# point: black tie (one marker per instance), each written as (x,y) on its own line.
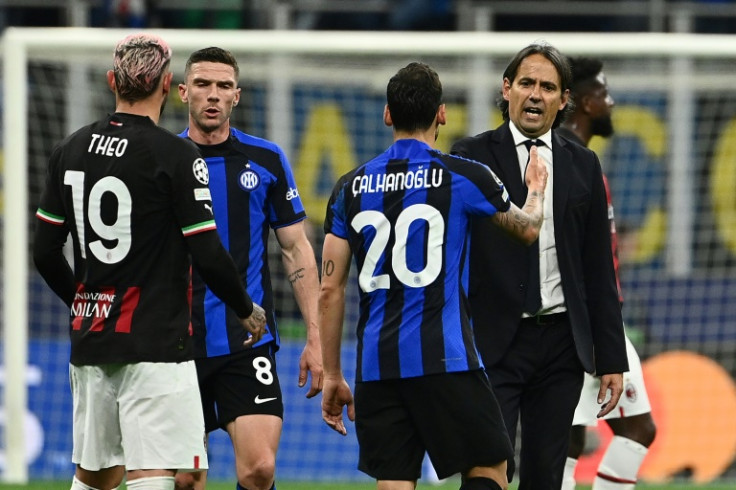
(529,144)
(533,300)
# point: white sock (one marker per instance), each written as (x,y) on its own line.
(620,465)
(568,477)
(152,483)
(78,485)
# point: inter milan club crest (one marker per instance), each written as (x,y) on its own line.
(248,179)
(199,167)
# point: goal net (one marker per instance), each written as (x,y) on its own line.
(320,95)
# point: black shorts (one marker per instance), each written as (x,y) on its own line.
(244,383)
(454,417)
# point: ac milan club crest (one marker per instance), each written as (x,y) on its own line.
(631,393)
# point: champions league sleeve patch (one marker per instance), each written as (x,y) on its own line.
(199,167)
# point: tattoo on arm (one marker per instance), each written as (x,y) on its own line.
(328,268)
(516,221)
(534,207)
(296,275)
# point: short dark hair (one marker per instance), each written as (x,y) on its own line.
(584,74)
(214,55)
(414,95)
(560,63)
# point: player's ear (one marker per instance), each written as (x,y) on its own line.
(387,116)
(111,80)
(584,102)
(565,96)
(442,115)
(506,88)
(166,85)
(183,92)
(237,97)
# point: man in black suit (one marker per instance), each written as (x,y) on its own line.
(544,314)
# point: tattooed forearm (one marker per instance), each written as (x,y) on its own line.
(534,207)
(328,267)
(523,224)
(514,221)
(296,275)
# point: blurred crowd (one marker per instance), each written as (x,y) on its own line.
(711,16)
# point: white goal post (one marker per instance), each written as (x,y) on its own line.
(684,66)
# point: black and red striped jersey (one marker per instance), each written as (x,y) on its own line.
(129,193)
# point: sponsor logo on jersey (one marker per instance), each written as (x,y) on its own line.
(92,304)
(94,296)
(199,167)
(292,193)
(91,310)
(202,194)
(249,180)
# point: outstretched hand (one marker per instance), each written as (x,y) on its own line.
(255,324)
(536,171)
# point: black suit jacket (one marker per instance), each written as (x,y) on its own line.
(499,265)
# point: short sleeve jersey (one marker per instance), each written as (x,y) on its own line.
(253,191)
(405,215)
(129,192)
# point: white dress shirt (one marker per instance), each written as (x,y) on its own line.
(553,299)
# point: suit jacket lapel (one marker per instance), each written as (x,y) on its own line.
(562,175)
(506,160)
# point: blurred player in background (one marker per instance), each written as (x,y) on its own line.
(134,198)
(253,190)
(631,421)
(405,216)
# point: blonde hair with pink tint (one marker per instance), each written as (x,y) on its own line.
(138,64)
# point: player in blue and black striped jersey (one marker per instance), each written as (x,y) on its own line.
(405,217)
(253,191)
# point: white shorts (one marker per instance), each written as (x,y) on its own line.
(142,416)
(633,401)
